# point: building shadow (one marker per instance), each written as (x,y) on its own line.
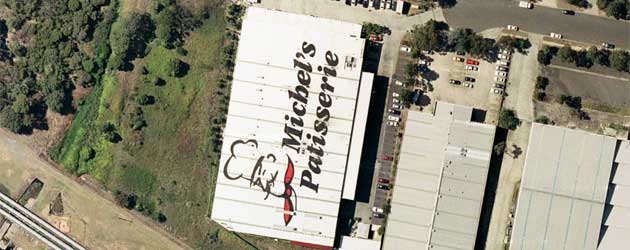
(372,138)
(490,192)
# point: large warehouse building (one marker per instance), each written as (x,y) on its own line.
(440,180)
(564,189)
(295,127)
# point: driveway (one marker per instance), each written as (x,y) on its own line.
(485,14)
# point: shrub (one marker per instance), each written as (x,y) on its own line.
(508,119)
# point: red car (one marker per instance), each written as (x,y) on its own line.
(388,158)
(384,181)
(472,62)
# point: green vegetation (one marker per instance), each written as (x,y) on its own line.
(579,3)
(543,119)
(499,148)
(619,9)
(430,36)
(620,60)
(56,47)
(373,29)
(617,59)
(508,119)
(512,43)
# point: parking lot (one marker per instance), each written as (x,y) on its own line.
(464,80)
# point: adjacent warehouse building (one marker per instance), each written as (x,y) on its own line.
(615,230)
(295,127)
(563,189)
(440,180)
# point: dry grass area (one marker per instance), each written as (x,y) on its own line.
(94,221)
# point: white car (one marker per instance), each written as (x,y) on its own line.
(394,100)
(424,62)
(500,73)
(377,210)
(467,85)
(392,123)
(497,91)
(555,35)
(394,94)
(395,106)
(503,63)
(393,118)
(399,83)
(500,79)
(512,27)
(405,49)
(504,56)
(502,68)
(472,68)
(498,86)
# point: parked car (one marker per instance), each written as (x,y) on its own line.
(472,62)
(502,68)
(525,4)
(399,83)
(383,186)
(467,85)
(568,12)
(395,106)
(497,91)
(512,27)
(608,46)
(503,63)
(460,53)
(498,86)
(458,59)
(455,82)
(555,35)
(388,158)
(395,100)
(377,210)
(472,68)
(504,56)
(469,79)
(395,95)
(424,62)
(378,215)
(392,123)
(500,73)
(500,79)
(405,49)
(393,118)
(393,111)
(383,180)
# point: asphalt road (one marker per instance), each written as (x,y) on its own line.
(484,14)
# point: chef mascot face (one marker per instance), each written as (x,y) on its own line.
(263,171)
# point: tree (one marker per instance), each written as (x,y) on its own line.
(499,148)
(15,122)
(411,72)
(84,79)
(620,60)
(165,26)
(461,39)
(617,9)
(144,99)
(579,3)
(508,119)
(543,119)
(430,36)
(542,82)
(373,29)
(545,55)
(482,47)
(174,67)
(567,54)
(598,56)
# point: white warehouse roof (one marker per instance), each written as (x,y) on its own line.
(295,127)
(563,189)
(616,222)
(440,181)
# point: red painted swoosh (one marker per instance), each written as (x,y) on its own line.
(288,204)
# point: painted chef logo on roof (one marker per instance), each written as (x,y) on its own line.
(268,173)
